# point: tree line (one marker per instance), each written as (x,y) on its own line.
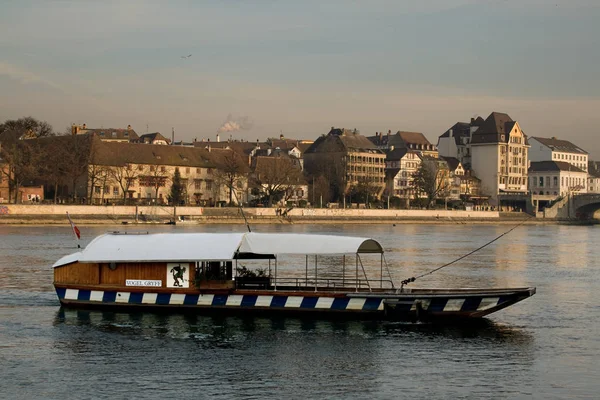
(28,155)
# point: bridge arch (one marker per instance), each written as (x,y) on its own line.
(587,206)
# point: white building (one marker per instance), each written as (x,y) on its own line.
(400,166)
(456,141)
(499,151)
(553,149)
(593,177)
(557,178)
(494,149)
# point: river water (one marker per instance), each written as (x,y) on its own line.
(547,346)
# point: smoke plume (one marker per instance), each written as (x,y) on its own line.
(235,124)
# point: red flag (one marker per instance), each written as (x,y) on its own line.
(75,229)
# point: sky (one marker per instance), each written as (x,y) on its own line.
(298,68)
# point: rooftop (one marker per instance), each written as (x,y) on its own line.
(549,166)
(560,145)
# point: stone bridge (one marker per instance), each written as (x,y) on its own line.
(584,206)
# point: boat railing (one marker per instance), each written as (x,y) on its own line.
(324,284)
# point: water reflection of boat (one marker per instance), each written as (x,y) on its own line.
(221,329)
(195,272)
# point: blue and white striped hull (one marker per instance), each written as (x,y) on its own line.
(395,306)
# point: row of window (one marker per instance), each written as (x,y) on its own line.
(149,181)
(163,168)
(564,181)
(512,170)
(366,169)
(516,139)
(513,180)
(403,183)
(576,157)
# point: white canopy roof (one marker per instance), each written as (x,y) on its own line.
(179,247)
(295,243)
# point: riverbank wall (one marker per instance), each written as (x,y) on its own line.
(56,214)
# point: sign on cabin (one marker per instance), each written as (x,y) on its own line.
(178,275)
(142,282)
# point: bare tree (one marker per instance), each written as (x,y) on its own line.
(431,180)
(330,169)
(231,171)
(125,176)
(155,176)
(274,176)
(27,128)
(52,169)
(320,190)
(21,159)
(364,191)
(19,156)
(76,152)
(97,176)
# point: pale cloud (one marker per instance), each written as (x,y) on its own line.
(25,77)
(301,67)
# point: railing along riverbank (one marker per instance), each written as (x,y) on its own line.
(56,214)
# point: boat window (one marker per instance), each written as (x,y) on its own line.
(215,270)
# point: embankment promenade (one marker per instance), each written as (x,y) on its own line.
(11,214)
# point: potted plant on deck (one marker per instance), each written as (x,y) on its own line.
(247,278)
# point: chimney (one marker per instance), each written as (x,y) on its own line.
(451,132)
(218,139)
(128,127)
(472,120)
(195,139)
(281,136)
(84,126)
(172,135)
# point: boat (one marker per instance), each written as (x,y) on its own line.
(209,273)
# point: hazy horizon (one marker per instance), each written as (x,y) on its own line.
(300,68)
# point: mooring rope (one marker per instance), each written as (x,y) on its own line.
(414,278)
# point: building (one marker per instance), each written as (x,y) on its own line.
(137,173)
(469,188)
(496,151)
(400,166)
(553,149)
(154,138)
(455,172)
(593,177)
(456,141)
(415,141)
(347,160)
(556,178)
(107,134)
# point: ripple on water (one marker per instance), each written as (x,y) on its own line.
(542,347)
